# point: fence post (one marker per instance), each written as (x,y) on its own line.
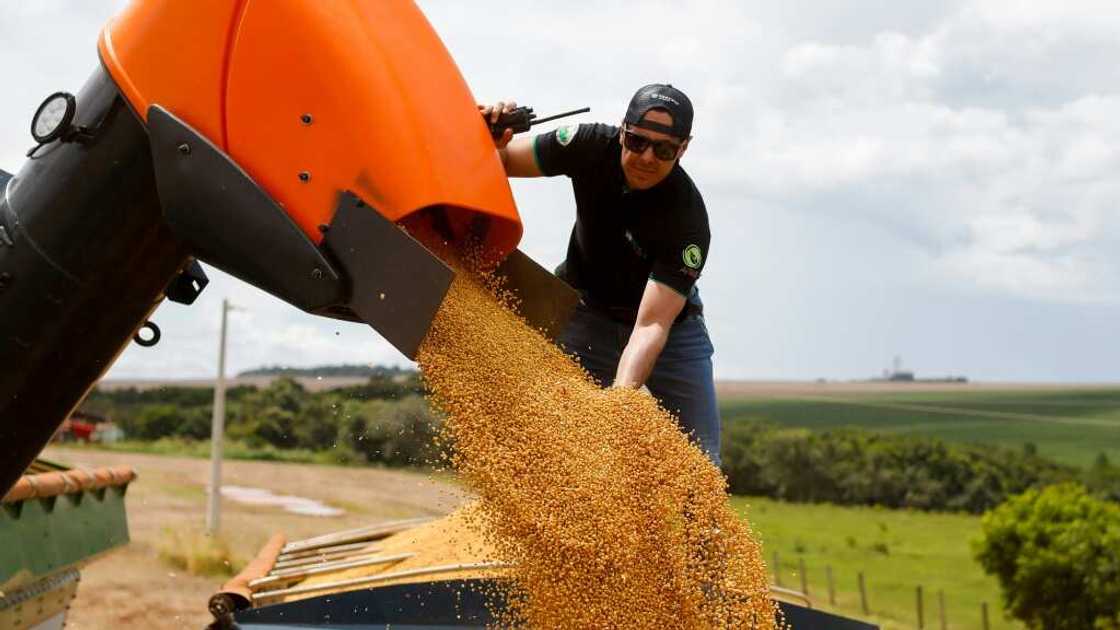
(941,609)
(831,586)
(921,613)
(777,569)
(984,615)
(804,578)
(863,594)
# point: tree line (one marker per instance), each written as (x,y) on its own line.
(387,421)
(858,467)
(344,369)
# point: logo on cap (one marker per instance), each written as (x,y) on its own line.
(663,97)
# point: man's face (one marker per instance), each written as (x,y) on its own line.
(645,170)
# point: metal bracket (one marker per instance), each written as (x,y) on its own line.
(227,220)
(397,285)
(188,285)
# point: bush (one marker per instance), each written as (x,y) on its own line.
(1056,554)
(195,423)
(196,553)
(153,422)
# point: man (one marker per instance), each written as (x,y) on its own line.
(639,244)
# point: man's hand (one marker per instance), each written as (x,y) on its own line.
(491,114)
(517,156)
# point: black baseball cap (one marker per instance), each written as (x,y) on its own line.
(661,96)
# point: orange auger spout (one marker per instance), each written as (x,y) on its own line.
(314,98)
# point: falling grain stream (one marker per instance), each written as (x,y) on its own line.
(611,517)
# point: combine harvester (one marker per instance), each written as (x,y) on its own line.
(307,148)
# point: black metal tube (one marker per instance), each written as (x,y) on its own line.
(87,259)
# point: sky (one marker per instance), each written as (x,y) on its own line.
(937,181)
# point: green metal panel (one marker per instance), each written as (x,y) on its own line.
(41,536)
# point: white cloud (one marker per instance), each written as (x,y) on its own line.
(865,165)
(1013,195)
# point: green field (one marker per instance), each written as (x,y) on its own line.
(1070,425)
(897,550)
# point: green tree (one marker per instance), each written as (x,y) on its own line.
(1103,479)
(1056,554)
(153,422)
(283,393)
(317,424)
(196,423)
(271,415)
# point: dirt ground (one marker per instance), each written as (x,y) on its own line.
(131,587)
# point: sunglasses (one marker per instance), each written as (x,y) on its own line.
(662,149)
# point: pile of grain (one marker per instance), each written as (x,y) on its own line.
(612,517)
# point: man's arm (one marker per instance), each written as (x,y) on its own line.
(519,159)
(659,308)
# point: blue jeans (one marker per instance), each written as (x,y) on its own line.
(681,380)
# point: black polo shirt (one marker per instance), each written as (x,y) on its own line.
(623,238)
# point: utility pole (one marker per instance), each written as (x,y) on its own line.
(217,430)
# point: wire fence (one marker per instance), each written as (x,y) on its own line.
(936,617)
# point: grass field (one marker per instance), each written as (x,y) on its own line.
(1070,425)
(897,550)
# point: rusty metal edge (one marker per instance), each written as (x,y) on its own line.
(235,594)
(51,484)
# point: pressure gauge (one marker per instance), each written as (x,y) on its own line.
(53,117)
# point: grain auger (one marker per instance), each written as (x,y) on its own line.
(308,148)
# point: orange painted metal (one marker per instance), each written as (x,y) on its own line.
(258,568)
(56,483)
(173,53)
(315,98)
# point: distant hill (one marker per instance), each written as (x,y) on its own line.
(351,370)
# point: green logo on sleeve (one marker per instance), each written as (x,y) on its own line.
(565,134)
(692,256)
